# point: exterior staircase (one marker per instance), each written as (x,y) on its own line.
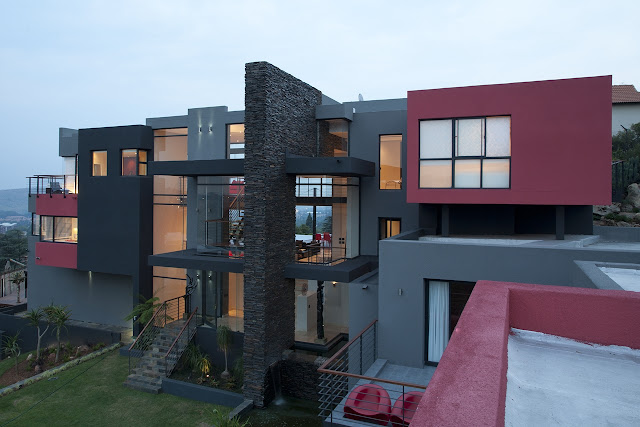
(159,346)
(151,369)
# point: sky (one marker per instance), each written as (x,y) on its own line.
(81,64)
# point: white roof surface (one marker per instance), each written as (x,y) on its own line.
(555,381)
(627,278)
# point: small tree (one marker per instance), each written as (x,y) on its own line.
(143,312)
(58,315)
(35,316)
(17,278)
(224,342)
(12,347)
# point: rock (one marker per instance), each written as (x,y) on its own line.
(52,357)
(633,195)
(623,224)
(38,369)
(603,210)
(30,356)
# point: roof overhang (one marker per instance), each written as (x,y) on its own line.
(344,272)
(332,166)
(192,260)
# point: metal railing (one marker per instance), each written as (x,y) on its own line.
(623,173)
(180,343)
(345,392)
(316,253)
(53,184)
(167,312)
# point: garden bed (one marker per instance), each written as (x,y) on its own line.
(27,367)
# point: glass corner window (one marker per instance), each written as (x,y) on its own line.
(58,229)
(99,163)
(134,162)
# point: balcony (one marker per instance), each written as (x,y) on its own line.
(54,195)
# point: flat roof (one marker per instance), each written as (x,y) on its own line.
(627,278)
(553,380)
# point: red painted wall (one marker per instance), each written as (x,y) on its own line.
(57,254)
(560,140)
(470,384)
(57,205)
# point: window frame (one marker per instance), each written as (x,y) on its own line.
(455,157)
(228,138)
(138,162)
(93,163)
(53,229)
(380,161)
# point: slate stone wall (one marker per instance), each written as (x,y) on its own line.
(299,375)
(279,116)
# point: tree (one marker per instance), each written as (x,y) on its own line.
(303,229)
(626,143)
(224,342)
(309,221)
(58,315)
(12,347)
(34,317)
(13,245)
(327,224)
(16,279)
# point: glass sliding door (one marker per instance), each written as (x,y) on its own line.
(438,319)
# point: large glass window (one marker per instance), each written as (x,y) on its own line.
(134,162)
(390,162)
(235,138)
(465,153)
(59,229)
(99,166)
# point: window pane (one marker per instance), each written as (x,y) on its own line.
(498,136)
(46,235)
(469,141)
(166,149)
(467,173)
(142,169)
(35,224)
(65,230)
(129,162)
(99,163)
(170,132)
(235,136)
(390,162)
(495,173)
(142,156)
(435,139)
(435,174)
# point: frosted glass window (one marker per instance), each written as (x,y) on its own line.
(498,136)
(435,139)
(469,137)
(390,162)
(435,174)
(495,173)
(467,173)
(46,232)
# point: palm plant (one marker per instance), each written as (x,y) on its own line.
(58,315)
(35,316)
(12,347)
(224,342)
(17,279)
(143,312)
(204,366)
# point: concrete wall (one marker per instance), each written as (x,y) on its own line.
(92,297)
(364,143)
(406,264)
(624,115)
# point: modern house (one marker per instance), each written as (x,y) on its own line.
(626,107)
(412,201)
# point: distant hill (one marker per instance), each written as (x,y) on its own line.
(14,202)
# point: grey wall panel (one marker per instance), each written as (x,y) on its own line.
(364,135)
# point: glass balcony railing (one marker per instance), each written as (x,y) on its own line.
(53,184)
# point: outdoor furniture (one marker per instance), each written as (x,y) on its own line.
(370,403)
(404,408)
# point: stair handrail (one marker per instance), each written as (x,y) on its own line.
(147,325)
(175,341)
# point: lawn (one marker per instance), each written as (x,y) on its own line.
(95,396)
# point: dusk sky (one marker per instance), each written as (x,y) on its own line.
(81,64)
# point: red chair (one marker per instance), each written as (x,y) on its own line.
(370,403)
(316,237)
(327,238)
(404,408)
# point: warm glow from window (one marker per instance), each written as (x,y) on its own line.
(235,138)
(390,162)
(99,167)
(134,162)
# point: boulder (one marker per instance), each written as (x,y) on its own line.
(603,210)
(633,195)
(30,356)
(37,369)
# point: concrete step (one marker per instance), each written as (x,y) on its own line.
(140,383)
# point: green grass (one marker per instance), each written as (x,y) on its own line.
(98,398)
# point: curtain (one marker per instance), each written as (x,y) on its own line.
(438,320)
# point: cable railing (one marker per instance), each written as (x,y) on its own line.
(348,395)
(180,343)
(317,253)
(167,312)
(53,184)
